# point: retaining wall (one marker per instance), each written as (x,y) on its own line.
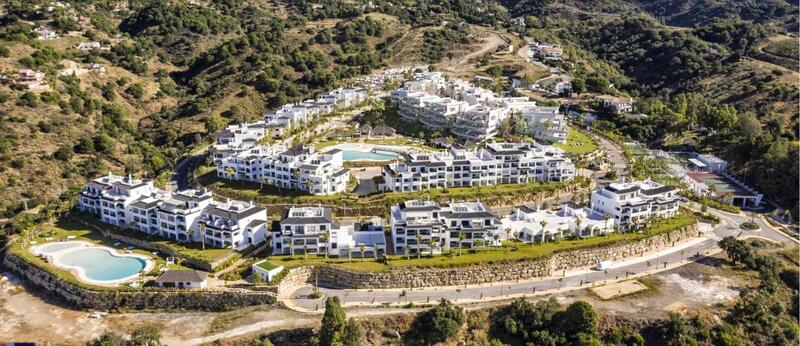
(146,298)
(337,277)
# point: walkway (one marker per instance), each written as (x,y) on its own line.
(299,299)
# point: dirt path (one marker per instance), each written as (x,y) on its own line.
(488,44)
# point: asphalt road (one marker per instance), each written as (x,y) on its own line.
(180,175)
(693,250)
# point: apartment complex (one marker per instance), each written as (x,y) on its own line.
(239,138)
(467,111)
(181,216)
(546,123)
(631,203)
(312,230)
(299,168)
(425,227)
(490,164)
(535,225)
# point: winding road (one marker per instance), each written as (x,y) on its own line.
(299,298)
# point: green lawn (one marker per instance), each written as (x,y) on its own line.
(488,255)
(578,143)
(62,229)
(243,190)
(193,250)
(267,265)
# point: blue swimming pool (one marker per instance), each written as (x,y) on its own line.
(55,247)
(100,264)
(354,155)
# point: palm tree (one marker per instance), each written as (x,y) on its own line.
(478,243)
(361,248)
(544,224)
(606,216)
(350,254)
(291,248)
(408,252)
(434,245)
(545,236)
(496,240)
(461,237)
(578,225)
(508,231)
(305,252)
(419,244)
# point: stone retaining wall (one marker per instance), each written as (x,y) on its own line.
(148,298)
(337,277)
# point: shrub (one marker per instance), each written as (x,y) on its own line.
(438,324)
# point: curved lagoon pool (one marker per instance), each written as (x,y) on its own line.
(55,247)
(98,264)
(92,263)
(377,155)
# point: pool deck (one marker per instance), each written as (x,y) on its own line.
(367,147)
(53,258)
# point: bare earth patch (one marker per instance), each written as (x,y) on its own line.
(618,289)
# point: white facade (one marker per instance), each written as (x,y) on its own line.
(299,168)
(536,225)
(312,230)
(469,112)
(137,205)
(491,164)
(632,203)
(233,224)
(615,104)
(546,123)
(713,163)
(425,227)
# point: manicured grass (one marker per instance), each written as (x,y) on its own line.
(243,190)
(267,265)
(518,251)
(193,250)
(578,142)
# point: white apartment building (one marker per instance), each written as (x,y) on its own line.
(312,230)
(137,205)
(425,227)
(233,224)
(546,123)
(534,225)
(235,139)
(490,164)
(614,104)
(299,168)
(241,137)
(631,203)
(468,111)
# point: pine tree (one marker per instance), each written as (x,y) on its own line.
(333,323)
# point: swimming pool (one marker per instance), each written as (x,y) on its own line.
(100,265)
(93,263)
(55,247)
(377,155)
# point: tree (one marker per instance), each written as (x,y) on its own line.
(361,248)
(579,318)
(64,153)
(438,324)
(419,245)
(353,334)
(213,123)
(543,223)
(146,335)
(108,339)
(136,91)
(333,323)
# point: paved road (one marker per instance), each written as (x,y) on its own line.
(618,162)
(180,175)
(671,258)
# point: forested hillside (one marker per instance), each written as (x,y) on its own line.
(732,54)
(177,71)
